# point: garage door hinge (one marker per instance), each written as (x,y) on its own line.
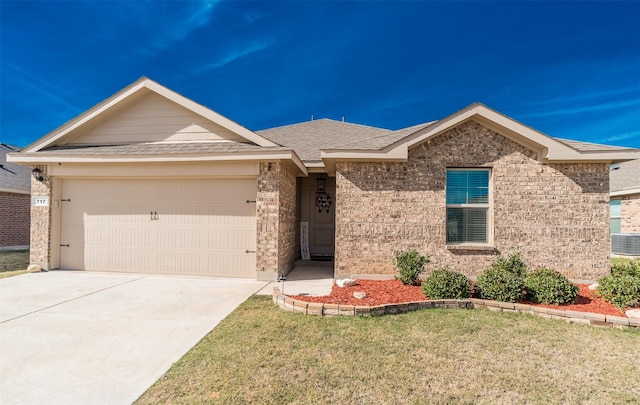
(249,251)
(67,245)
(250,201)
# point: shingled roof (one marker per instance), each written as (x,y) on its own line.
(144,149)
(308,138)
(13,177)
(625,177)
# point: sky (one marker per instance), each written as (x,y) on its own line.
(568,69)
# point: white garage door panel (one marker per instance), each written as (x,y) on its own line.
(197,226)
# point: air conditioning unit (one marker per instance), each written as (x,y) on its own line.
(625,244)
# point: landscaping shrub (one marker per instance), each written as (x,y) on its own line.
(446,284)
(629,268)
(504,280)
(410,265)
(621,290)
(548,286)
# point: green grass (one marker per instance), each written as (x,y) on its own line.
(12,260)
(261,354)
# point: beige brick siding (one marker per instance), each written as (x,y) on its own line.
(41,223)
(277,217)
(14,219)
(556,214)
(630,214)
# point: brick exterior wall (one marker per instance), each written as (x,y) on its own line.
(41,223)
(14,219)
(555,214)
(277,216)
(630,214)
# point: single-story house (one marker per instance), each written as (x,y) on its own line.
(150,181)
(625,208)
(15,206)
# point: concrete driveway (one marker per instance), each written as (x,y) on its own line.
(99,338)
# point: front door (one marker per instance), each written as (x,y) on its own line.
(321,224)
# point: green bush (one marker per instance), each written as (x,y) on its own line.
(628,268)
(621,290)
(512,264)
(410,265)
(550,287)
(446,284)
(504,280)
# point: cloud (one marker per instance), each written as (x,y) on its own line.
(584,109)
(37,85)
(623,136)
(171,25)
(235,54)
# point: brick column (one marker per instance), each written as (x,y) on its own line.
(41,222)
(276,220)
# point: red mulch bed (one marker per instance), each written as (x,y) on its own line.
(381,292)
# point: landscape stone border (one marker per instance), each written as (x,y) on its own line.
(320,309)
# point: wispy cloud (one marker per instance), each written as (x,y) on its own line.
(623,136)
(37,85)
(174,26)
(235,54)
(584,109)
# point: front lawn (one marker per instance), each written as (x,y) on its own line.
(261,354)
(12,260)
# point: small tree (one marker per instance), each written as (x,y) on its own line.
(410,265)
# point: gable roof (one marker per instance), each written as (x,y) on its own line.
(14,178)
(126,97)
(60,145)
(547,148)
(624,178)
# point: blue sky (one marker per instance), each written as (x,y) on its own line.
(569,69)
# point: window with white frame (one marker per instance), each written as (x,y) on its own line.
(467,206)
(615,214)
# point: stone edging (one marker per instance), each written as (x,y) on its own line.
(588,318)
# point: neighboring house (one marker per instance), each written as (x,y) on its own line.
(625,207)
(15,189)
(150,181)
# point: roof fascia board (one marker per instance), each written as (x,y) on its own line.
(140,87)
(628,191)
(287,156)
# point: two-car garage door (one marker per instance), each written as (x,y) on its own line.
(184,226)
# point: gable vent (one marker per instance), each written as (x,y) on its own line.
(625,244)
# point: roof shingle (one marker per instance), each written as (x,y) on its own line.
(308,138)
(625,177)
(12,175)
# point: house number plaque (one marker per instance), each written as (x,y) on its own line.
(40,201)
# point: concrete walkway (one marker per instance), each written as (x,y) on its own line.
(306,278)
(101,338)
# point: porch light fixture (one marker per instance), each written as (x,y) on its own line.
(323,199)
(37,174)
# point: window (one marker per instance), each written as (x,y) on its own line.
(467,205)
(615,212)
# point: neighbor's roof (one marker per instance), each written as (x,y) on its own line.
(13,177)
(625,178)
(308,138)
